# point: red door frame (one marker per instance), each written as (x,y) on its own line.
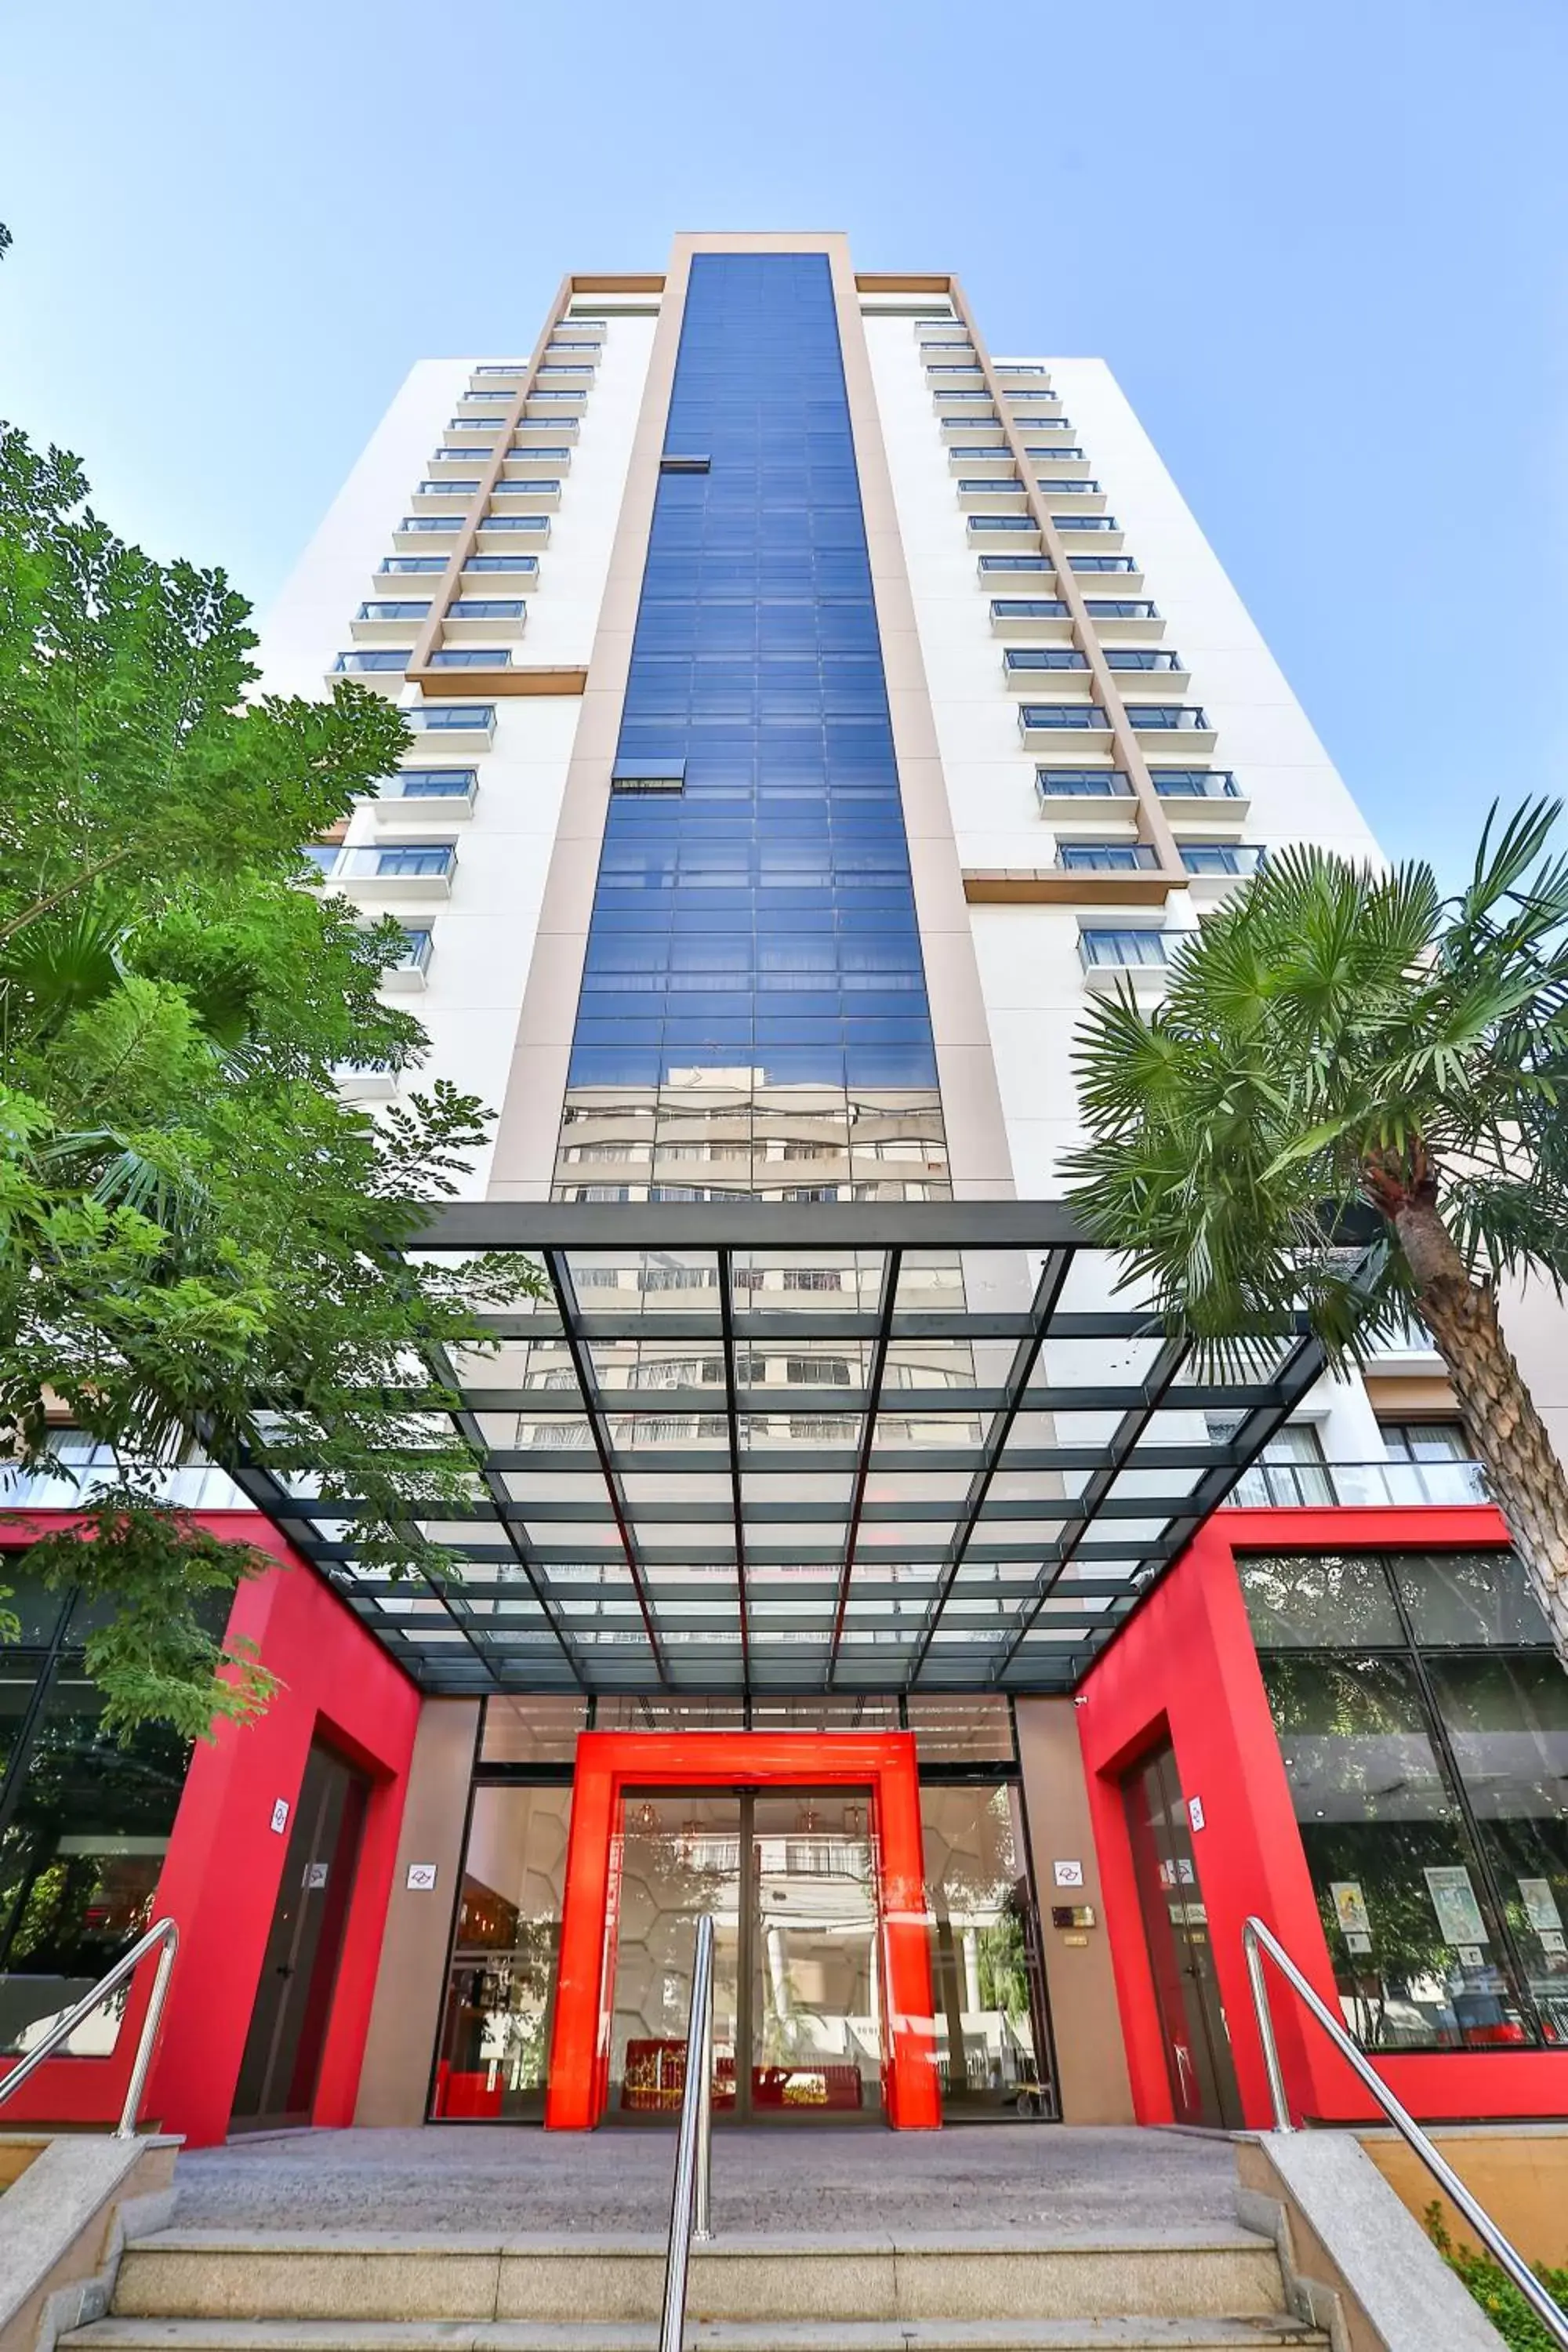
(611,1762)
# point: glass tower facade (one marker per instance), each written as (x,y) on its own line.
(753,1015)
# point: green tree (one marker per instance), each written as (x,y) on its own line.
(1345,1051)
(198,1237)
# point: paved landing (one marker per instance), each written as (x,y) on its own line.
(846,2178)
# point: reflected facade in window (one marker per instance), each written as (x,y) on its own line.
(85,1824)
(1423,1720)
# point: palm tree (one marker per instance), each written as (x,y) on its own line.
(1344,1055)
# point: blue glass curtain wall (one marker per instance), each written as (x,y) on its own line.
(753,1014)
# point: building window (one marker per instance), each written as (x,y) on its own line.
(1423,1720)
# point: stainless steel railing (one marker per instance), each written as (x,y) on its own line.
(1256,1939)
(166,1934)
(690,2203)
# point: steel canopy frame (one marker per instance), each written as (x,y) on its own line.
(706,1466)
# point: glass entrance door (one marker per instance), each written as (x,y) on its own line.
(790,1881)
(1187,1986)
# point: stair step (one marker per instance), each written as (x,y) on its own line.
(464,2282)
(1263,2333)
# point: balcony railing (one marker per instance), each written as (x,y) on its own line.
(1106,857)
(1044,657)
(1142,657)
(1027,608)
(1240,857)
(362,661)
(1120,951)
(429,785)
(1102,564)
(1060,489)
(1195,784)
(1014,562)
(410,860)
(1083,784)
(1082,522)
(1072,718)
(407,564)
(1357,1485)
(1121,608)
(451,718)
(402,609)
(1171,717)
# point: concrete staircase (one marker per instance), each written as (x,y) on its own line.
(341,2291)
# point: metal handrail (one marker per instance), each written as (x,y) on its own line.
(1256,1939)
(691,2204)
(166,1934)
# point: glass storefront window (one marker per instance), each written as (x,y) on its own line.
(501,1989)
(1319,1601)
(1506,1721)
(1417,1954)
(87,1829)
(1469,1599)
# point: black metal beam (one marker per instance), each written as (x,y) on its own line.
(588,1385)
(1171,1356)
(878,1367)
(732,1421)
(1047,1290)
(632,1227)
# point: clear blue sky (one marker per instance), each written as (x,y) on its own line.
(1323,243)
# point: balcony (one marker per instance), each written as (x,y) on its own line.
(975,460)
(541,491)
(499,575)
(978,429)
(1095,564)
(555,400)
(498,531)
(461,726)
(409,971)
(1107,857)
(1074,496)
(409,869)
(1182,727)
(381,667)
(1034,408)
(960,405)
(527,465)
(564,375)
(1047,722)
(1158,661)
(1004,495)
(1087,534)
(415,533)
(1023,665)
(1022,569)
(1090,803)
(1111,956)
(1205,801)
(541,432)
(1358,1485)
(1030,617)
(449,459)
(1218,868)
(407,567)
(388,620)
(416,794)
(961,376)
(476,619)
(1019,530)
(1057,453)
(445,498)
(495,376)
(1122,618)
(477,658)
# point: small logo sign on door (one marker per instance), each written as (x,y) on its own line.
(315,1874)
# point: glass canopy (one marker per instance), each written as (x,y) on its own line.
(741,1447)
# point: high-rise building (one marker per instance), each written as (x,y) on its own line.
(811,714)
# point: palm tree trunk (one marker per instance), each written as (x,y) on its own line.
(1508,1433)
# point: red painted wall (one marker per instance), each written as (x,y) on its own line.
(1185,1668)
(221,1876)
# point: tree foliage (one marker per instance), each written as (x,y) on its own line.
(1344,1057)
(198,1236)
(1334,1046)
